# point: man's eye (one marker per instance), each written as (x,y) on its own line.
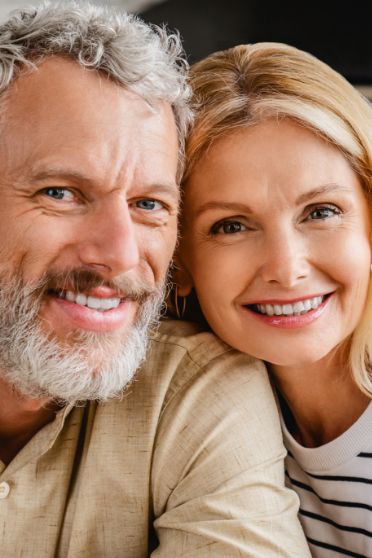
(228,227)
(149,205)
(58,193)
(323,212)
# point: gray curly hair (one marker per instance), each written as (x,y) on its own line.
(145,59)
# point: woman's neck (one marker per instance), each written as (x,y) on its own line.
(322,399)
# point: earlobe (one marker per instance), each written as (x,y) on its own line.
(181,278)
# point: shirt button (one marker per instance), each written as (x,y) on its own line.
(4,490)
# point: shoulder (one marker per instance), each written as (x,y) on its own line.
(190,338)
(206,377)
(217,415)
(186,350)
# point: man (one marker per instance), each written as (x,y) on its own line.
(93,116)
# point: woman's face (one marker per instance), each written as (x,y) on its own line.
(276,242)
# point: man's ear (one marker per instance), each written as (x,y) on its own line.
(181,277)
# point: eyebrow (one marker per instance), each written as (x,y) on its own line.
(61,173)
(244,208)
(322,190)
(231,206)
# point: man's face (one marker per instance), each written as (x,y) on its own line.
(89,205)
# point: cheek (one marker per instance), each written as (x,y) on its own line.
(219,277)
(350,267)
(352,262)
(34,244)
(157,249)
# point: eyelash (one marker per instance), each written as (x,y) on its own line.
(324,207)
(57,189)
(151,201)
(221,226)
(61,191)
(218,228)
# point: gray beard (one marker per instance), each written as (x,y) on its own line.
(90,367)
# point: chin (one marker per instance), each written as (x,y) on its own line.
(293,360)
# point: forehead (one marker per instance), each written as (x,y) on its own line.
(61,109)
(275,156)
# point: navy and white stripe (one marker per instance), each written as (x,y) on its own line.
(334,484)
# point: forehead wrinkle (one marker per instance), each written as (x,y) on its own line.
(60,172)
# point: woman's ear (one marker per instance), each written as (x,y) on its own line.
(181,277)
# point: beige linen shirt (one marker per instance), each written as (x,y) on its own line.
(188,463)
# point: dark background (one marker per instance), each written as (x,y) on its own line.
(340,36)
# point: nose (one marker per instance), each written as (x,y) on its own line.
(109,242)
(285,257)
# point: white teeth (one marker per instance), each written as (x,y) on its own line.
(95,303)
(81,299)
(102,303)
(269,310)
(297,308)
(109,303)
(316,301)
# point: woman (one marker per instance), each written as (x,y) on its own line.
(276,244)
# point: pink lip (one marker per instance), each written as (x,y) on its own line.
(291,322)
(82,317)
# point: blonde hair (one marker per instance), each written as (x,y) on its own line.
(247,84)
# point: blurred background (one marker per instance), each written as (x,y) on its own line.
(337,33)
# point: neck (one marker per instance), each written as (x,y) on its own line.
(322,399)
(20,419)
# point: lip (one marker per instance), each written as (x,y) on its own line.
(75,316)
(291,322)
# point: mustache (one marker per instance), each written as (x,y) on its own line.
(81,279)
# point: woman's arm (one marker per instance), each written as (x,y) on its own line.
(218,472)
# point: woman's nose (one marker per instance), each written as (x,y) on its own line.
(285,258)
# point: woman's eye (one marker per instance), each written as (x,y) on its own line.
(323,212)
(58,193)
(149,205)
(228,227)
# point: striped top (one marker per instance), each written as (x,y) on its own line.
(334,484)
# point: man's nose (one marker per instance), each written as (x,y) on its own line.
(109,240)
(285,258)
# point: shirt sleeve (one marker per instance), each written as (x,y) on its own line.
(218,469)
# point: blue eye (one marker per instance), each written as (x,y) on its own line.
(57,193)
(324,212)
(149,204)
(228,227)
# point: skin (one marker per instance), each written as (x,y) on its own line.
(113,161)
(272,215)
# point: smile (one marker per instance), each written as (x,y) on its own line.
(291,315)
(92,302)
(99,309)
(295,309)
